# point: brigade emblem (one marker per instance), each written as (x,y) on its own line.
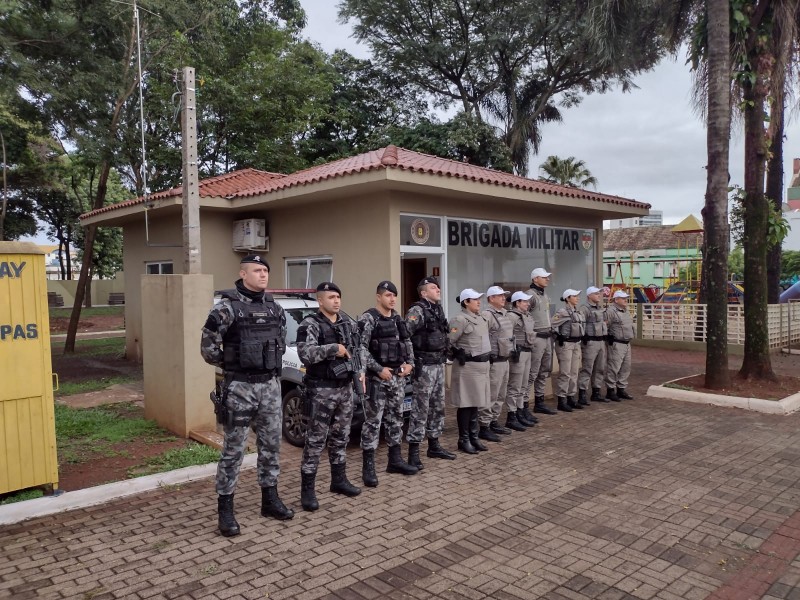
(420,231)
(586,239)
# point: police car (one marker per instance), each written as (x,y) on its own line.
(299,304)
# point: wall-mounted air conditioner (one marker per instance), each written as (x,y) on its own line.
(250,234)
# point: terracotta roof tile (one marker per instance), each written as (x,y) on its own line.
(649,238)
(249,182)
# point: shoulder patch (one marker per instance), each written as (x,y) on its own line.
(453,329)
(413,318)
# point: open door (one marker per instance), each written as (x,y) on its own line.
(414,270)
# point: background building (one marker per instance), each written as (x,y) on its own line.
(654,219)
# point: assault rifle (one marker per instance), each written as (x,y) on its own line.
(347,335)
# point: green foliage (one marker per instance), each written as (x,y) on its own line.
(790,264)
(177,458)
(113,347)
(96,311)
(68,388)
(567,171)
(736,263)
(777,225)
(22,495)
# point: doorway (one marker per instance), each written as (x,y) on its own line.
(414,268)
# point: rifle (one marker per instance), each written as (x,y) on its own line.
(218,396)
(348,336)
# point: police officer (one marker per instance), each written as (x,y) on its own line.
(569,327)
(428,329)
(389,360)
(518,416)
(470,387)
(542,352)
(593,350)
(501,337)
(245,335)
(620,334)
(328,346)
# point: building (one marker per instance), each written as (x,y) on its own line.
(654,255)
(793,191)
(386,214)
(653,219)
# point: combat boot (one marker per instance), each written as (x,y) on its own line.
(308,497)
(623,394)
(487,434)
(540,407)
(513,423)
(413,456)
(527,415)
(497,428)
(597,396)
(474,429)
(339,482)
(582,399)
(611,394)
(464,443)
(368,471)
(227,522)
(572,404)
(271,505)
(562,404)
(435,450)
(396,464)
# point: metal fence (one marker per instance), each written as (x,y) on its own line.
(687,323)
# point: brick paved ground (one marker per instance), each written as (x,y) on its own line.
(643,499)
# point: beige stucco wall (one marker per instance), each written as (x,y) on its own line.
(101,288)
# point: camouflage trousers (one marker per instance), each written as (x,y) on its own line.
(498,385)
(256,405)
(593,364)
(329,422)
(541,364)
(427,404)
(384,403)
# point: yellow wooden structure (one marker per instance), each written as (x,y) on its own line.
(27,420)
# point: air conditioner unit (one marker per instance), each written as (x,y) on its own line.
(250,234)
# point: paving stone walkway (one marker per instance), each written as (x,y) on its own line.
(642,499)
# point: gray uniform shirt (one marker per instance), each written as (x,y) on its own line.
(540,309)
(501,331)
(620,323)
(596,318)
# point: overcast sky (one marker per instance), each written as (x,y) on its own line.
(647,145)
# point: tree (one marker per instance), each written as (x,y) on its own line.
(790,264)
(736,263)
(567,171)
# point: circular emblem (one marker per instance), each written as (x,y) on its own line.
(420,231)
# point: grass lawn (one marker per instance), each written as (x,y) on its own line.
(98,311)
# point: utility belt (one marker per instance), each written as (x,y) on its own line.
(497,359)
(543,335)
(523,349)
(316,382)
(429,358)
(573,339)
(595,338)
(481,358)
(615,341)
(265,377)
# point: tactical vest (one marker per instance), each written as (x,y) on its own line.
(595,320)
(388,342)
(330,368)
(523,329)
(432,337)
(254,342)
(540,310)
(620,324)
(572,327)
(475,338)
(501,332)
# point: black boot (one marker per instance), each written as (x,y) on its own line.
(368,475)
(597,396)
(540,407)
(464,444)
(271,505)
(339,482)
(611,394)
(435,450)
(396,463)
(528,414)
(582,399)
(487,434)
(227,522)
(308,497)
(525,417)
(623,394)
(413,456)
(562,404)
(513,423)
(572,404)
(497,428)
(474,429)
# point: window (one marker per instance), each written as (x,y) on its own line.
(307,273)
(658,270)
(159,268)
(635,273)
(609,270)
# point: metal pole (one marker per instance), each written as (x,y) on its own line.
(191,187)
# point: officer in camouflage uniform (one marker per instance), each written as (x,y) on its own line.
(428,329)
(325,341)
(620,334)
(593,350)
(389,359)
(542,351)
(245,335)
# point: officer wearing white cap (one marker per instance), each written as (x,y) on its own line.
(518,417)
(469,381)
(542,352)
(569,327)
(620,334)
(593,349)
(501,337)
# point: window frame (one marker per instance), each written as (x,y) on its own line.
(297,260)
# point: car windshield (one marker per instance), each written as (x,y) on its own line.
(295,316)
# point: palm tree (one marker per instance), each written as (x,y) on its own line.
(567,171)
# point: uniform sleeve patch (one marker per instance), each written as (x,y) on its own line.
(413,318)
(453,329)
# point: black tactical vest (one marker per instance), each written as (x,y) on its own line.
(254,342)
(433,336)
(324,369)
(388,342)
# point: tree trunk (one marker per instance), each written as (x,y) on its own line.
(715,212)
(775,196)
(5,190)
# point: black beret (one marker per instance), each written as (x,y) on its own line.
(386,286)
(255,259)
(328,286)
(427,280)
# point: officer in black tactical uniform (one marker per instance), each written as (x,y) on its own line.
(245,335)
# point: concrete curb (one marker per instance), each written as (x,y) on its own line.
(48,505)
(785,406)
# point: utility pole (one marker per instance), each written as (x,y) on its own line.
(191,187)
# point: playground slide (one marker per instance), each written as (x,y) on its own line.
(793,293)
